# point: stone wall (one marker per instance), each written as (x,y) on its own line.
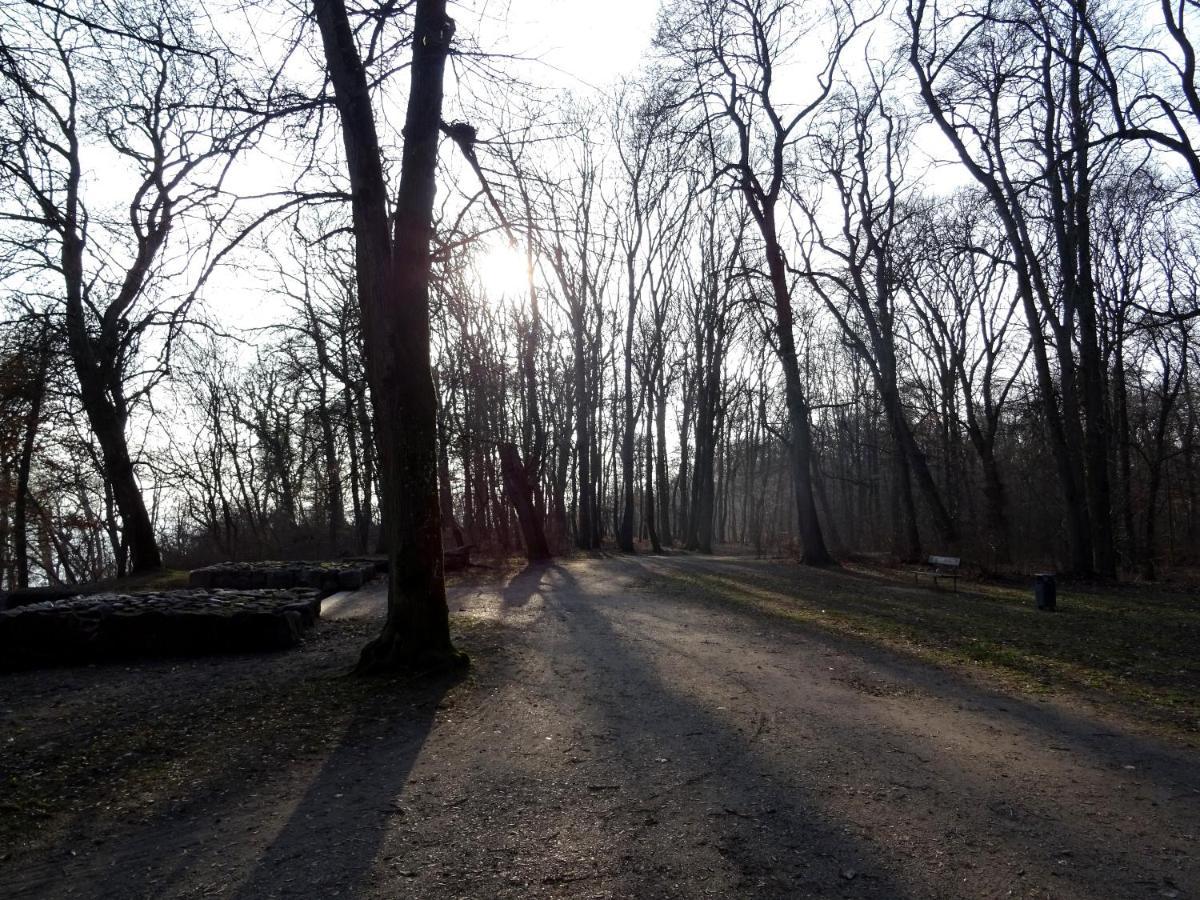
(323,576)
(107,626)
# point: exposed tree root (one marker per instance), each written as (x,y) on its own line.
(394,653)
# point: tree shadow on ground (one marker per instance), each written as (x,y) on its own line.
(671,752)
(525,585)
(764,807)
(282,781)
(330,842)
(1087,735)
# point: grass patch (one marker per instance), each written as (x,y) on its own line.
(1139,649)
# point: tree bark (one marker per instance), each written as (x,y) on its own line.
(629,420)
(393,289)
(586,492)
(906,540)
(24,464)
(812,540)
(520,495)
(651,524)
(104,404)
(663,482)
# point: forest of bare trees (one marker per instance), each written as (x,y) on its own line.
(821,279)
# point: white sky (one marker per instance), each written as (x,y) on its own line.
(591,41)
(570,44)
(576,45)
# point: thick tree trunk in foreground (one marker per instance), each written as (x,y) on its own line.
(393,290)
(812,539)
(520,495)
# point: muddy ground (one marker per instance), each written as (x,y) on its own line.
(613,739)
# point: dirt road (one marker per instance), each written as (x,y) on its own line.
(615,742)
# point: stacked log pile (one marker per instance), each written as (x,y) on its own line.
(109,626)
(344,575)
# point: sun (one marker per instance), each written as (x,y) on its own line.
(502,272)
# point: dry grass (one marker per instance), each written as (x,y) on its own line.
(1136,647)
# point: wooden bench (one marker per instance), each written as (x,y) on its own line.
(940,567)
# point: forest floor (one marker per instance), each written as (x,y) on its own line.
(634,727)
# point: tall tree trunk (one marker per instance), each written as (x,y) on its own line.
(918,463)
(1095,406)
(561,476)
(139,543)
(534,430)
(663,483)
(586,527)
(98,370)
(520,495)
(812,540)
(357,489)
(684,515)
(649,499)
(393,289)
(629,423)
(8,572)
(906,540)
(24,464)
(1124,455)
(703,477)
(335,504)
(103,404)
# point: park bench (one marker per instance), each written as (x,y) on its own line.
(940,567)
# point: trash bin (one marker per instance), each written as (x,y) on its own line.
(1045,592)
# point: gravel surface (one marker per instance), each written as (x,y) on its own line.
(610,741)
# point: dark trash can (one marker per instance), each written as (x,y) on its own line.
(1045,592)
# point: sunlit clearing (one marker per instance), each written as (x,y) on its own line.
(502,272)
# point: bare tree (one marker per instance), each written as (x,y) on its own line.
(862,153)
(138,86)
(575,243)
(1009,87)
(960,284)
(392,262)
(730,50)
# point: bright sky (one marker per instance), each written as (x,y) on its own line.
(576,45)
(572,44)
(588,41)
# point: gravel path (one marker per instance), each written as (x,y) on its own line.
(613,742)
